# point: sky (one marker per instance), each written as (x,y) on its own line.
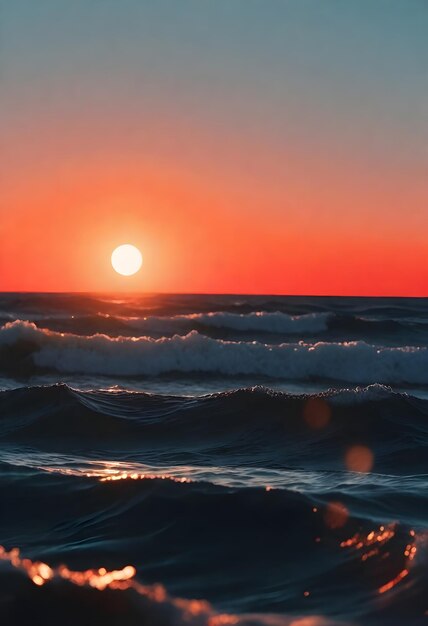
(245,146)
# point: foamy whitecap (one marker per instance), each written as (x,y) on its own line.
(354,361)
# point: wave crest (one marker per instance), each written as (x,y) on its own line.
(23,346)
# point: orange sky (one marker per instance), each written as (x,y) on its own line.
(233,181)
(59,237)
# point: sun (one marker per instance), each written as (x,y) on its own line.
(126,259)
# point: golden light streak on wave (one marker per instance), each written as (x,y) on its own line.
(191,611)
(392,583)
(108,474)
(40,573)
(100,579)
(137,476)
(378,538)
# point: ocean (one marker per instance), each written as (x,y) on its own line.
(171,460)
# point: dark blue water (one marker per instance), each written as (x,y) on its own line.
(264,455)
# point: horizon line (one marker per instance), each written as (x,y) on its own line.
(208,293)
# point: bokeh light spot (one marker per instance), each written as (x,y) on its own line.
(316,413)
(335,515)
(359,459)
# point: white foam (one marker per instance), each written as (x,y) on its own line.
(355,362)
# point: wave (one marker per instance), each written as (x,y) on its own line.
(268,551)
(273,508)
(124,603)
(259,321)
(271,325)
(24,348)
(234,429)
(255,321)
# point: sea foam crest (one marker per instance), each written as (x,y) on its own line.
(354,361)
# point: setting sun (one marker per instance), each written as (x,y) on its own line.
(126,259)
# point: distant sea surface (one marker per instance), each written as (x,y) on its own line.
(213,460)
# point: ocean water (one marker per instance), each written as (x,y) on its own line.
(213,460)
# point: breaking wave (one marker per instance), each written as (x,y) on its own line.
(24,348)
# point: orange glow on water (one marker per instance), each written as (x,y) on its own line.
(111,471)
(380,537)
(392,583)
(40,573)
(124,579)
(136,476)
(371,543)
(99,579)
